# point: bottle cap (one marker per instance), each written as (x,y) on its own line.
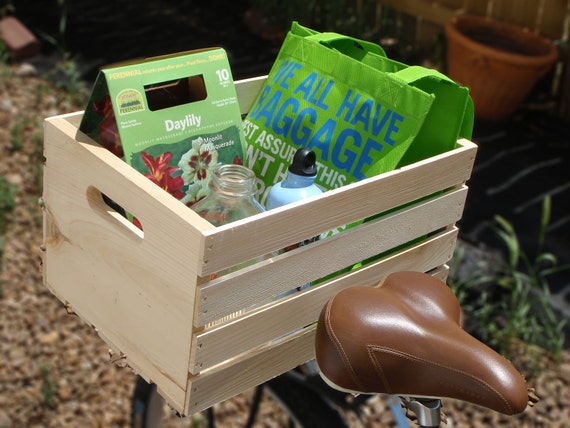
(304,163)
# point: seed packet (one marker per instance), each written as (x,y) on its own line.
(172,118)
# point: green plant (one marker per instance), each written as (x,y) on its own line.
(6,72)
(59,40)
(6,8)
(5,54)
(7,205)
(354,18)
(199,421)
(509,298)
(65,75)
(49,387)
(2,242)
(17,133)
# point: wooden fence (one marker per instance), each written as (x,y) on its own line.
(544,16)
(423,21)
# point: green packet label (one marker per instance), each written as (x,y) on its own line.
(183,167)
(172,118)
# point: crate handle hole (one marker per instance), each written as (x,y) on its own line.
(112,211)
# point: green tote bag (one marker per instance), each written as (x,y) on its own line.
(359,111)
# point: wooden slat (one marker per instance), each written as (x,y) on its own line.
(295,222)
(256,328)
(74,119)
(544,16)
(429,10)
(553,17)
(476,7)
(237,376)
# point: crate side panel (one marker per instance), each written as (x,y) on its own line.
(247,91)
(74,119)
(292,223)
(275,320)
(133,287)
(255,286)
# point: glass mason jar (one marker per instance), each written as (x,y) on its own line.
(232,196)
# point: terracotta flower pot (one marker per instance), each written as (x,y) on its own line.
(499,62)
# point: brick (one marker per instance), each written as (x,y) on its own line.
(20,41)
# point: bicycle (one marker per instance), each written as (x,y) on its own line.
(316,394)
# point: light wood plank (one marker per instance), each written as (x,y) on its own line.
(432,11)
(247,91)
(237,376)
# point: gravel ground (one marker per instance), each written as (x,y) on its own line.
(55,370)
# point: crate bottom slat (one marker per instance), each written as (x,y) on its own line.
(236,376)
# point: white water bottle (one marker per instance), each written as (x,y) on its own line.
(299,184)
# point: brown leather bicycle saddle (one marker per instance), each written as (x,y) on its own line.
(405,338)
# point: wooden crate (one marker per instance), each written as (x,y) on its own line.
(149,296)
